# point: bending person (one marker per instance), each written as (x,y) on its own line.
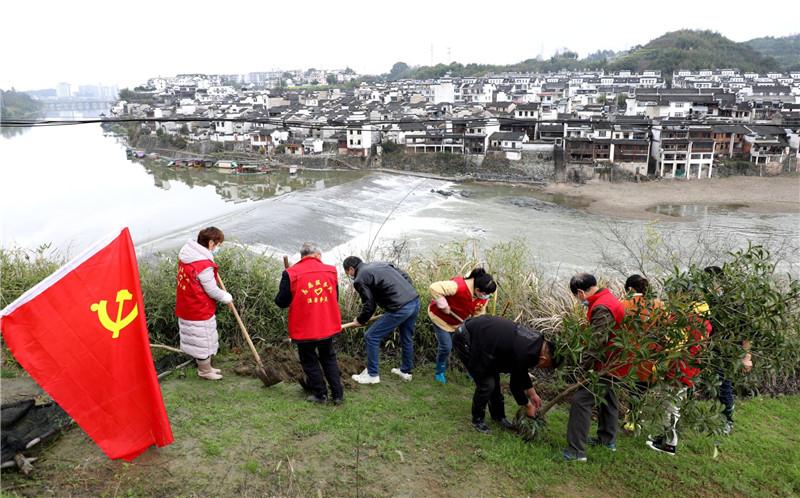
(383,284)
(453,301)
(489,346)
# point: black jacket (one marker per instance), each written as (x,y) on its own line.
(498,345)
(384,285)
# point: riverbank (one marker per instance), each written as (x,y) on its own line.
(768,195)
(235,438)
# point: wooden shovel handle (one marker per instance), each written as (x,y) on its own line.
(456,317)
(352,325)
(242,327)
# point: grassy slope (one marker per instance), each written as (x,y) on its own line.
(234,438)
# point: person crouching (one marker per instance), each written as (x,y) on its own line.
(196,300)
(309,288)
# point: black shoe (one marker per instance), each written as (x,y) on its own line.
(481,426)
(338,401)
(303,381)
(316,399)
(505,423)
(658,444)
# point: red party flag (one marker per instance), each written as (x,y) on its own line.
(81,334)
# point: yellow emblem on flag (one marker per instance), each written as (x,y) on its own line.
(115,326)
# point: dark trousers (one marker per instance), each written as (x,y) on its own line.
(487,385)
(725,395)
(487,391)
(314,354)
(580,418)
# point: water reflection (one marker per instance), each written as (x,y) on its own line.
(12,131)
(695,210)
(236,188)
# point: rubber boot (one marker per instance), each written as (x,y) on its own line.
(205,371)
(438,373)
(216,370)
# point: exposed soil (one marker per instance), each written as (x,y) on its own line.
(21,388)
(766,195)
(285,361)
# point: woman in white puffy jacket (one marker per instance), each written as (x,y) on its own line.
(196,300)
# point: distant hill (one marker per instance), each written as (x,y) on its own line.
(684,49)
(785,50)
(688,49)
(567,60)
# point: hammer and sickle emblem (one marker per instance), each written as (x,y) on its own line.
(101,309)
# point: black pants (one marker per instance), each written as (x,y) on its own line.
(487,385)
(487,391)
(312,355)
(725,396)
(580,418)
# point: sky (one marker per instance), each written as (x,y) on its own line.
(125,43)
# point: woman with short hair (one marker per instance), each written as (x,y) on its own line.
(196,300)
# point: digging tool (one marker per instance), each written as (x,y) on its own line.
(286,262)
(268,377)
(455,316)
(352,325)
(168,348)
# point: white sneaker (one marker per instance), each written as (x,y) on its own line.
(365,378)
(406,377)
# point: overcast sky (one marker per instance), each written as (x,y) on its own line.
(83,42)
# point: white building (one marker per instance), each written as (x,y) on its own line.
(443,91)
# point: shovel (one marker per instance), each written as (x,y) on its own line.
(268,377)
(456,316)
(351,325)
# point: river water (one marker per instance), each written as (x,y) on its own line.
(67,186)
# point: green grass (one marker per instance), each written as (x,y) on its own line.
(236,438)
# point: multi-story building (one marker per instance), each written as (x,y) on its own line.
(683,150)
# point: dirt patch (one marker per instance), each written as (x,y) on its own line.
(284,360)
(21,389)
(632,200)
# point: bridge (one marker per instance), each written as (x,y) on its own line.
(77,104)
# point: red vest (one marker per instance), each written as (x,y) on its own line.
(604,297)
(191,300)
(462,303)
(314,311)
(697,333)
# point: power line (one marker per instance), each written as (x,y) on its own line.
(335,125)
